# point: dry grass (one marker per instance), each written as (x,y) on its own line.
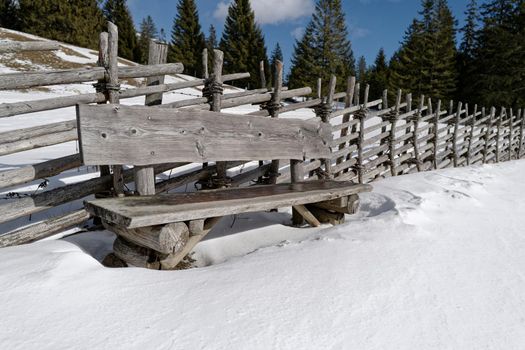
(71,52)
(14,36)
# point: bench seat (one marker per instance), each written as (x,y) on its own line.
(143,211)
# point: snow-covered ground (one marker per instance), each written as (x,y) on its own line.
(432,261)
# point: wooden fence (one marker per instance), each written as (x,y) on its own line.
(371,139)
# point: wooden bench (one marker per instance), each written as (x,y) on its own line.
(158,231)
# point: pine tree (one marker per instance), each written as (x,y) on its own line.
(324,49)
(426,62)
(9,14)
(211,41)
(277,55)
(187,39)
(148,31)
(465,62)
(362,71)
(211,44)
(243,43)
(117,12)
(499,69)
(74,21)
(378,76)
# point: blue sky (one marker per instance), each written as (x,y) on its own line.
(372,23)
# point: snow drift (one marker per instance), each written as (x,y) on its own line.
(433,261)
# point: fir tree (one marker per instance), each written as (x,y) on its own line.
(277,55)
(498,57)
(243,43)
(148,31)
(187,39)
(465,62)
(9,14)
(378,76)
(117,12)
(426,62)
(211,44)
(73,21)
(324,49)
(362,71)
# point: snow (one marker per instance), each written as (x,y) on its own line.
(432,261)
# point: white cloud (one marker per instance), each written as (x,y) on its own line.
(358,32)
(221,11)
(271,11)
(298,33)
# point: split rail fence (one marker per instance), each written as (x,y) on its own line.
(371,139)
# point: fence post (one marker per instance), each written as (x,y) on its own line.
(213,91)
(488,134)
(205,73)
(392,141)
(384,105)
(350,88)
(145,176)
(408,119)
(273,107)
(319,88)
(471,134)
(455,135)
(436,133)
(511,129)
(361,115)
(101,84)
(297,175)
(522,127)
(113,87)
(498,134)
(262,74)
(323,111)
(415,120)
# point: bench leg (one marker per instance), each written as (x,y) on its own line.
(344,205)
(198,230)
(307,215)
(327,216)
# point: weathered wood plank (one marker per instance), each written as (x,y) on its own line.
(162,209)
(18,46)
(112,134)
(16,108)
(43,229)
(27,80)
(166,239)
(38,171)
(48,199)
(145,176)
(307,215)
(46,139)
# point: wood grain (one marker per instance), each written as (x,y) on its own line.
(112,134)
(162,209)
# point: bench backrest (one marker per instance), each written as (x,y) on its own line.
(136,135)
